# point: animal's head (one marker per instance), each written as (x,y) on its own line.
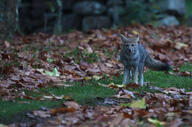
(130,44)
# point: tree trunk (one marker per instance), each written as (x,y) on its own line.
(8,19)
(58,25)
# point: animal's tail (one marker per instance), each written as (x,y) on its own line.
(156,65)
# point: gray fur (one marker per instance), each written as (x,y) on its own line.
(134,57)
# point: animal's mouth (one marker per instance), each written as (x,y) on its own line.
(131,52)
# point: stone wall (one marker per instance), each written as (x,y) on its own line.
(41,15)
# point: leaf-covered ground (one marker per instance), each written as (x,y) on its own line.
(41,61)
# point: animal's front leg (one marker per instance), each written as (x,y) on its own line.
(141,79)
(135,71)
(126,76)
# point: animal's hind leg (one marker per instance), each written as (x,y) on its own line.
(141,71)
(135,71)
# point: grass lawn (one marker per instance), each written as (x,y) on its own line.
(85,93)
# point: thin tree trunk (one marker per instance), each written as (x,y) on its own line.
(58,25)
(8,22)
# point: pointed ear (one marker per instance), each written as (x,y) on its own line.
(123,38)
(137,39)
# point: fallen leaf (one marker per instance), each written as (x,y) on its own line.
(128,122)
(89,50)
(180,45)
(173,90)
(62,85)
(50,97)
(112,85)
(87,77)
(138,104)
(7,44)
(96,77)
(122,93)
(135,32)
(176,123)
(62,110)
(117,120)
(108,64)
(42,114)
(132,85)
(72,104)
(190,101)
(53,73)
(156,122)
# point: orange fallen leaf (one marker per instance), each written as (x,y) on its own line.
(62,110)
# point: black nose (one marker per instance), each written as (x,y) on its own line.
(129,50)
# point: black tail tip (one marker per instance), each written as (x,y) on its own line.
(166,67)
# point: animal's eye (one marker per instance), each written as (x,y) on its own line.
(132,45)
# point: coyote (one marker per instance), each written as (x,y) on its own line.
(134,57)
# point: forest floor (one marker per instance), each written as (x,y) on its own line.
(75,79)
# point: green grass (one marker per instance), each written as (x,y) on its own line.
(86,92)
(161,79)
(82,94)
(188,7)
(11,109)
(186,67)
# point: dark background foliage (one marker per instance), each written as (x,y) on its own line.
(58,16)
